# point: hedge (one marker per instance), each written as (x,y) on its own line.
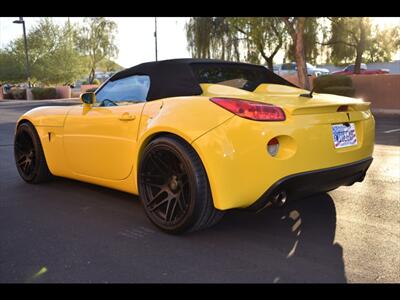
(95,81)
(334,84)
(340,90)
(16,93)
(44,93)
(323,82)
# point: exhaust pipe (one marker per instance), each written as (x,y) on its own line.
(279,199)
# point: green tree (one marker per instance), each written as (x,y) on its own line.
(198,32)
(295,27)
(349,39)
(12,70)
(383,44)
(52,55)
(357,40)
(264,36)
(63,64)
(96,41)
(108,65)
(212,37)
(222,37)
(310,38)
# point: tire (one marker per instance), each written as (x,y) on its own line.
(174,188)
(29,157)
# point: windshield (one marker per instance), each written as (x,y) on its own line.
(246,77)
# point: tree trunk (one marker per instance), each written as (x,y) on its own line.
(357,66)
(236,49)
(300,55)
(360,48)
(270,64)
(269,59)
(91,75)
(223,51)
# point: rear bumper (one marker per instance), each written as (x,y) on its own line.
(313,182)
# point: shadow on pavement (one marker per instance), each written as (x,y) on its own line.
(302,233)
(65,224)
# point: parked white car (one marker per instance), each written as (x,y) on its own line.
(291,68)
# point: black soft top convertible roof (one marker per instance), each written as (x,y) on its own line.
(175,77)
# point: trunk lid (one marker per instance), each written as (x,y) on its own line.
(289,99)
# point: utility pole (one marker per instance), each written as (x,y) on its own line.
(155,35)
(21,21)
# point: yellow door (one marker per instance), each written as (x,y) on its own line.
(101,141)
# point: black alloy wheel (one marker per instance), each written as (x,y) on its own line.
(173,187)
(29,157)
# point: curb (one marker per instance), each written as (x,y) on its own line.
(24,102)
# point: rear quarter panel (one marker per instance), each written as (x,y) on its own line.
(240,170)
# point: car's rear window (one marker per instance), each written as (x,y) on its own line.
(246,77)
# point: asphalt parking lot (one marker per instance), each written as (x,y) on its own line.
(67,231)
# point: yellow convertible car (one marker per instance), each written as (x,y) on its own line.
(194,138)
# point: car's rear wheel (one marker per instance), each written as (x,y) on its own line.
(173,187)
(29,157)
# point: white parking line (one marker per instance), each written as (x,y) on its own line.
(393,130)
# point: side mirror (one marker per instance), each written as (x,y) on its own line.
(88,98)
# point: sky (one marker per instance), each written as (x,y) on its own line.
(135,37)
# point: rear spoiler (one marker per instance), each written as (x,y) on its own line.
(329,108)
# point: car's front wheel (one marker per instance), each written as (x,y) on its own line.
(29,157)
(174,188)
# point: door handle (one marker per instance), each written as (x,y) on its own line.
(127,117)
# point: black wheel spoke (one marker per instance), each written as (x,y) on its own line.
(21,160)
(159,204)
(28,166)
(155,197)
(167,209)
(178,200)
(172,210)
(22,165)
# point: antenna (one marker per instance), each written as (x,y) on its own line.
(155,36)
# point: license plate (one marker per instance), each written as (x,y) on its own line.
(344,135)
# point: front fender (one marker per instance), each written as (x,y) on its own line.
(49,116)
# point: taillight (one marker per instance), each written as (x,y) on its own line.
(251,109)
